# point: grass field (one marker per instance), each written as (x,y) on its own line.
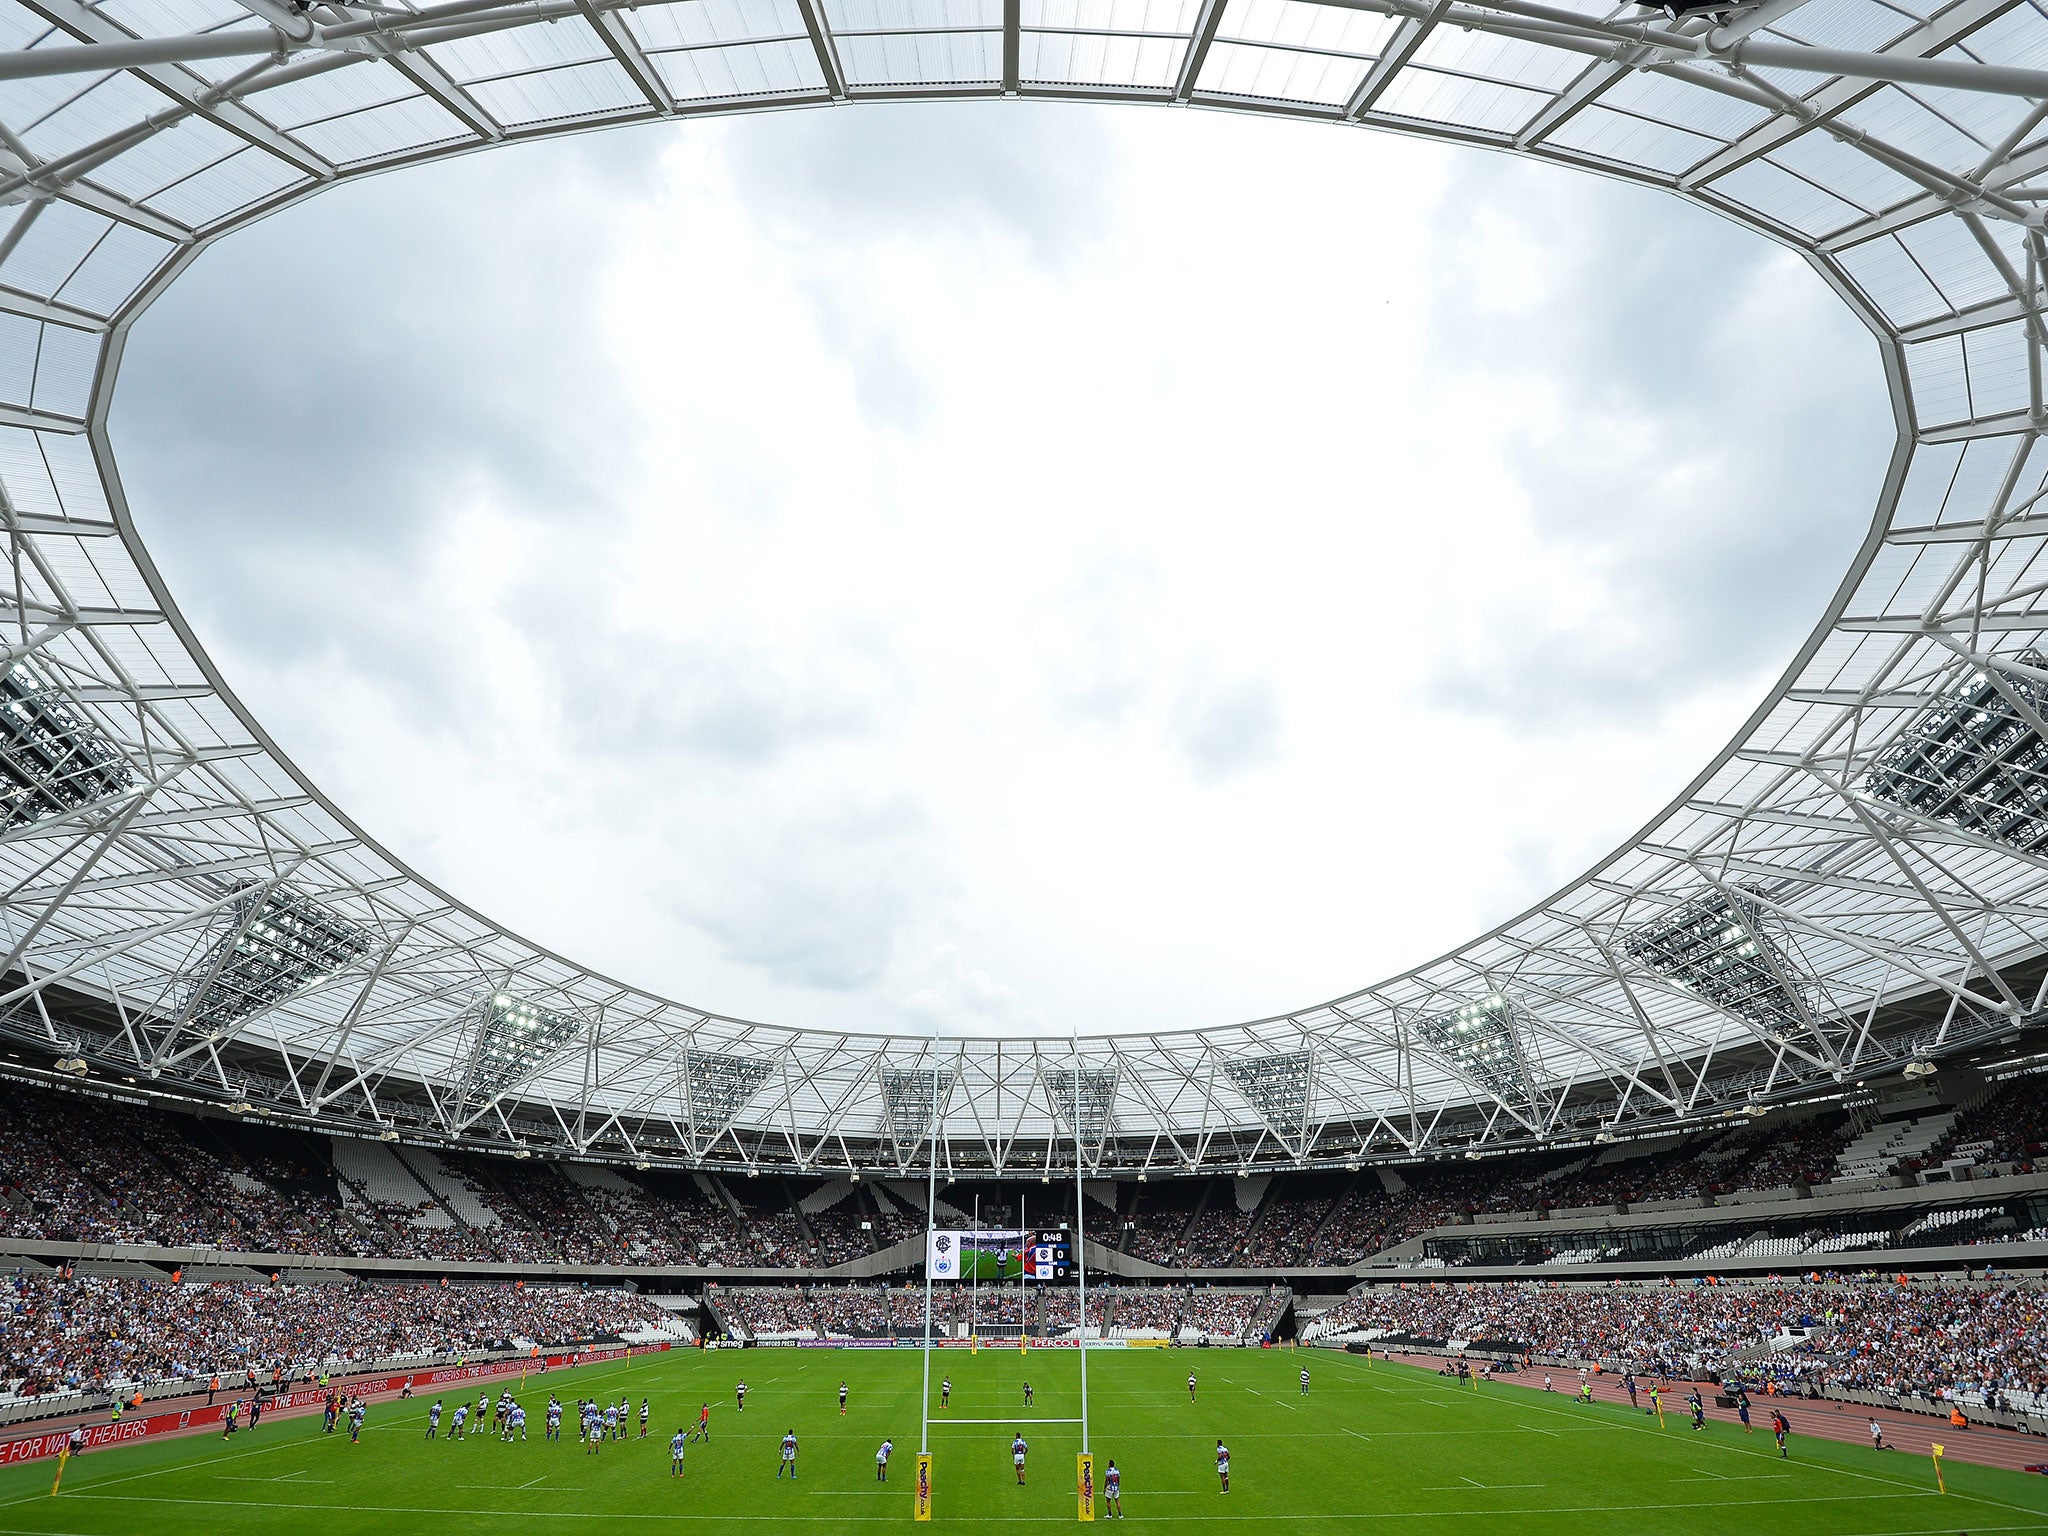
(1385,1448)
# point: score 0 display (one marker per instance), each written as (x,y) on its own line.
(1008,1254)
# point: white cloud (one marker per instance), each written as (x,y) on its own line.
(988,567)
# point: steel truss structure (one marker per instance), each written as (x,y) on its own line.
(1858,881)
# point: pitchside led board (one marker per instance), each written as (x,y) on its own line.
(1003,1255)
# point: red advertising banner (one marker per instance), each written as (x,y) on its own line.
(180,1420)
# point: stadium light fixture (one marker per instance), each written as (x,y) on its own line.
(1482,1042)
(1280,1088)
(1084,1100)
(278,943)
(507,1039)
(1975,760)
(913,1099)
(52,759)
(717,1085)
(73,1066)
(1719,948)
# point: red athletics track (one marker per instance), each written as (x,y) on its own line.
(1908,1433)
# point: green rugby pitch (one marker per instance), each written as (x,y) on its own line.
(1381,1448)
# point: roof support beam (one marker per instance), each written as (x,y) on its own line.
(825,46)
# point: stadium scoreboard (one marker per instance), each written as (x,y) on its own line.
(1028,1254)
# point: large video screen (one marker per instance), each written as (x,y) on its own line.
(1005,1254)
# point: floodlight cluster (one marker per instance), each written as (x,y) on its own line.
(1479,1041)
(513,1038)
(718,1085)
(1085,1102)
(1718,948)
(1976,761)
(281,942)
(1279,1087)
(52,760)
(912,1098)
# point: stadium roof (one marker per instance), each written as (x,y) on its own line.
(1870,852)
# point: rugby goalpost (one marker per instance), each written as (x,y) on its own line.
(1084,1462)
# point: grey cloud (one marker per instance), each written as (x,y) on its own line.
(819,898)
(1718,468)
(1100,672)
(312,382)
(966,179)
(949,994)
(1226,727)
(893,392)
(732,701)
(1015,173)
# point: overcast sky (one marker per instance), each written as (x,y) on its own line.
(1000,565)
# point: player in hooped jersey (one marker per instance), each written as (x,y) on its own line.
(842,1399)
(1191,1386)
(1113,1492)
(1304,1381)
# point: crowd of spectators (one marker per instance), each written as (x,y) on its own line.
(73,1170)
(856,1311)
(1219,1314)
(1285,1228)
(1216,1240)
(1143,1308)
(96,1170)
(1982,1340)
(1370,1218)
(2009,1126)
(88,1170)
(840,1233)
(1060,1311)
(90,1332)
(767,1311)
